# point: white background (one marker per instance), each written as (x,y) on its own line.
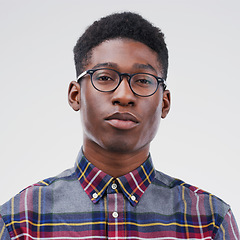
(40,135)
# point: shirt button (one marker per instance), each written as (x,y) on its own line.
(114,186)
(115,214)
(133,198)
(95,195)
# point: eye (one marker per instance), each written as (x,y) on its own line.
(143,80)
(104,78)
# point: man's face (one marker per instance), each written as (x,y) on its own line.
(121,121)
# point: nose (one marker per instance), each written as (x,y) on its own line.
(123,95)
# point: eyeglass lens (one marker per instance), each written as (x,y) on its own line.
(107,80)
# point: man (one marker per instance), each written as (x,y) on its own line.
(114,192)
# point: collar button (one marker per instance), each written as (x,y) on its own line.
(95,195)
(133,198)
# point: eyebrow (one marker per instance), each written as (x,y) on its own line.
(144,66)
(140,66)
(106,64)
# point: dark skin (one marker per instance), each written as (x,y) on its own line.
(119,126)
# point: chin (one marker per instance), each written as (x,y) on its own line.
(122,147)
(119,146)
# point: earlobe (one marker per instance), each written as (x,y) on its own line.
(74,95)
(166,102)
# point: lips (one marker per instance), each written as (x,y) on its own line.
(124,121)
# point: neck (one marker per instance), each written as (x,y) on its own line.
(115,164)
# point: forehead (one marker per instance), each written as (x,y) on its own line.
(125,55)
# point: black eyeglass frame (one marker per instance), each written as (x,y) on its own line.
(92,71)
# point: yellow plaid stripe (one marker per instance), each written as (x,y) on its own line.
(185,212)
(143,181)
(1,233)
(125,190)
(133,191)
(113,223)
(223,230)
(44,183)
(12,215)
(39,211)
(85,179)
(99,193)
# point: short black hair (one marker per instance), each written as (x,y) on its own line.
(120,25)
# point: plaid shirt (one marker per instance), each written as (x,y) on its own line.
(86,203)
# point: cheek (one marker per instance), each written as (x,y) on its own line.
(152,119)
(88,102)
(92,111)
(89,112)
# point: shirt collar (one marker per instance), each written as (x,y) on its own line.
(95,182)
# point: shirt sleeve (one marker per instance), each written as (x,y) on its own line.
(228,229)
(4,235)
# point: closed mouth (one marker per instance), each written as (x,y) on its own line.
(123,117)
(122,121)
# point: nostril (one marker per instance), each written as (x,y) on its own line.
(116,102)
(121,103)
(131,103)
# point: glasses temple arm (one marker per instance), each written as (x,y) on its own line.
(81,75)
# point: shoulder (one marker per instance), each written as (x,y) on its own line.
(191,199)
(162,179)
(40,191)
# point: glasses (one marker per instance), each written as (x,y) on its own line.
(108,80)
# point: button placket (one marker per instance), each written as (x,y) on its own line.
(116,215)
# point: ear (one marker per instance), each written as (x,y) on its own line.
(166,103)
(74,95)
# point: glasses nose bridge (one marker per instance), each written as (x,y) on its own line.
(128,78)
(121,75)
